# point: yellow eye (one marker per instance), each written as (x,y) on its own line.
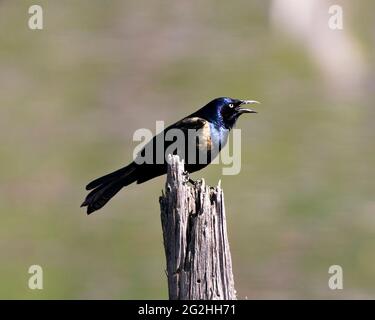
(231,105)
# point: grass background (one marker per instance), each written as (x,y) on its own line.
(73,94)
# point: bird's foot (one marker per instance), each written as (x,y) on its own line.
(188,179)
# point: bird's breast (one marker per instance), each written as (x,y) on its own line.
(212,138)
(219,136)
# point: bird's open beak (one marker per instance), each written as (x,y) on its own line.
(247,110)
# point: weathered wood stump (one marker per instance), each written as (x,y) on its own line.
(199,265)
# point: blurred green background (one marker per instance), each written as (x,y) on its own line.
(73,93)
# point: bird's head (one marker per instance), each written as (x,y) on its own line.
(226,110)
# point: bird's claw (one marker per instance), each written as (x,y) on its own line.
(188,179)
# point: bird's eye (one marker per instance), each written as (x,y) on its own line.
(231,105)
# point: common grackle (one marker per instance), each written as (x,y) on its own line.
(211,123)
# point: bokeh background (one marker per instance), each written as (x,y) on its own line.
(73,93)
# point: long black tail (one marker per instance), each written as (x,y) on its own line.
(104,188)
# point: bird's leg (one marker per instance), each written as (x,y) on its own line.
(192,181)
(188,179)
(186,176)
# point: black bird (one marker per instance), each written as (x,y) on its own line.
(212,124)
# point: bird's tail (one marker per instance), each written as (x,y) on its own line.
(104,188)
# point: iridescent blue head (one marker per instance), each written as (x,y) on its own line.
(225,111)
